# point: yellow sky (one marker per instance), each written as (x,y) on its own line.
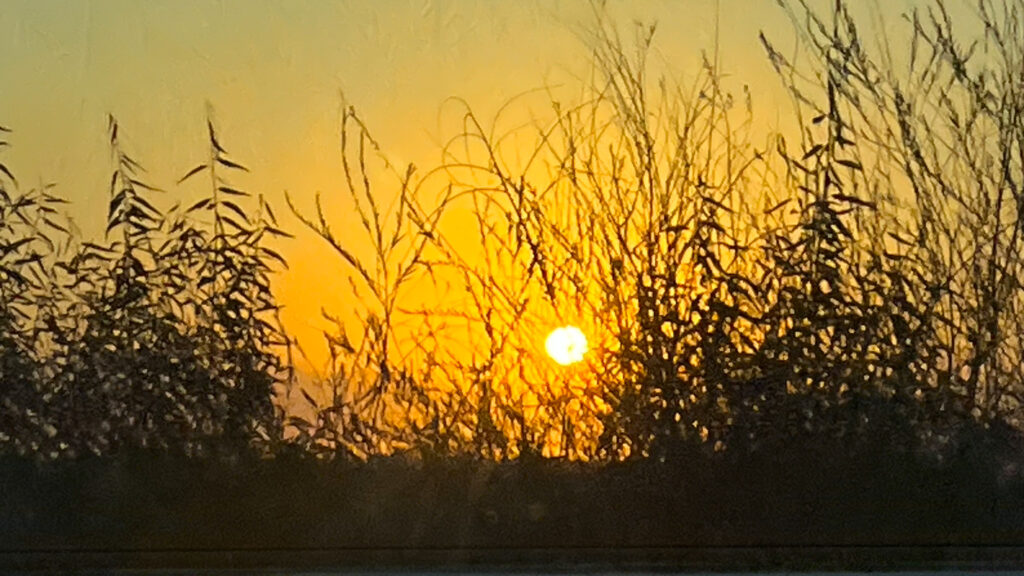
(273,72)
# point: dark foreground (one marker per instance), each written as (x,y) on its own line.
(810,507)
(607,562)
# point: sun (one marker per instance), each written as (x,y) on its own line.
(566,345)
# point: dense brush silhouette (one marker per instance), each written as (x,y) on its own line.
(160,336)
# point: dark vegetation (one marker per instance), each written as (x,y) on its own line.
(158,337)
(803,342)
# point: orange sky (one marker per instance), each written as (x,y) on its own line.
(273,72)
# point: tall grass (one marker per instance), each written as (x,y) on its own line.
(737,295)
(941,140)
(160,336)
(859,285)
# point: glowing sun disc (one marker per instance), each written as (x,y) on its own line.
(566,345)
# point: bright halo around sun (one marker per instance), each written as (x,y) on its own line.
(566,345)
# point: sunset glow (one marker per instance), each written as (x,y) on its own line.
(566,345)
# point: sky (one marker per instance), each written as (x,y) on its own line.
(274,73)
